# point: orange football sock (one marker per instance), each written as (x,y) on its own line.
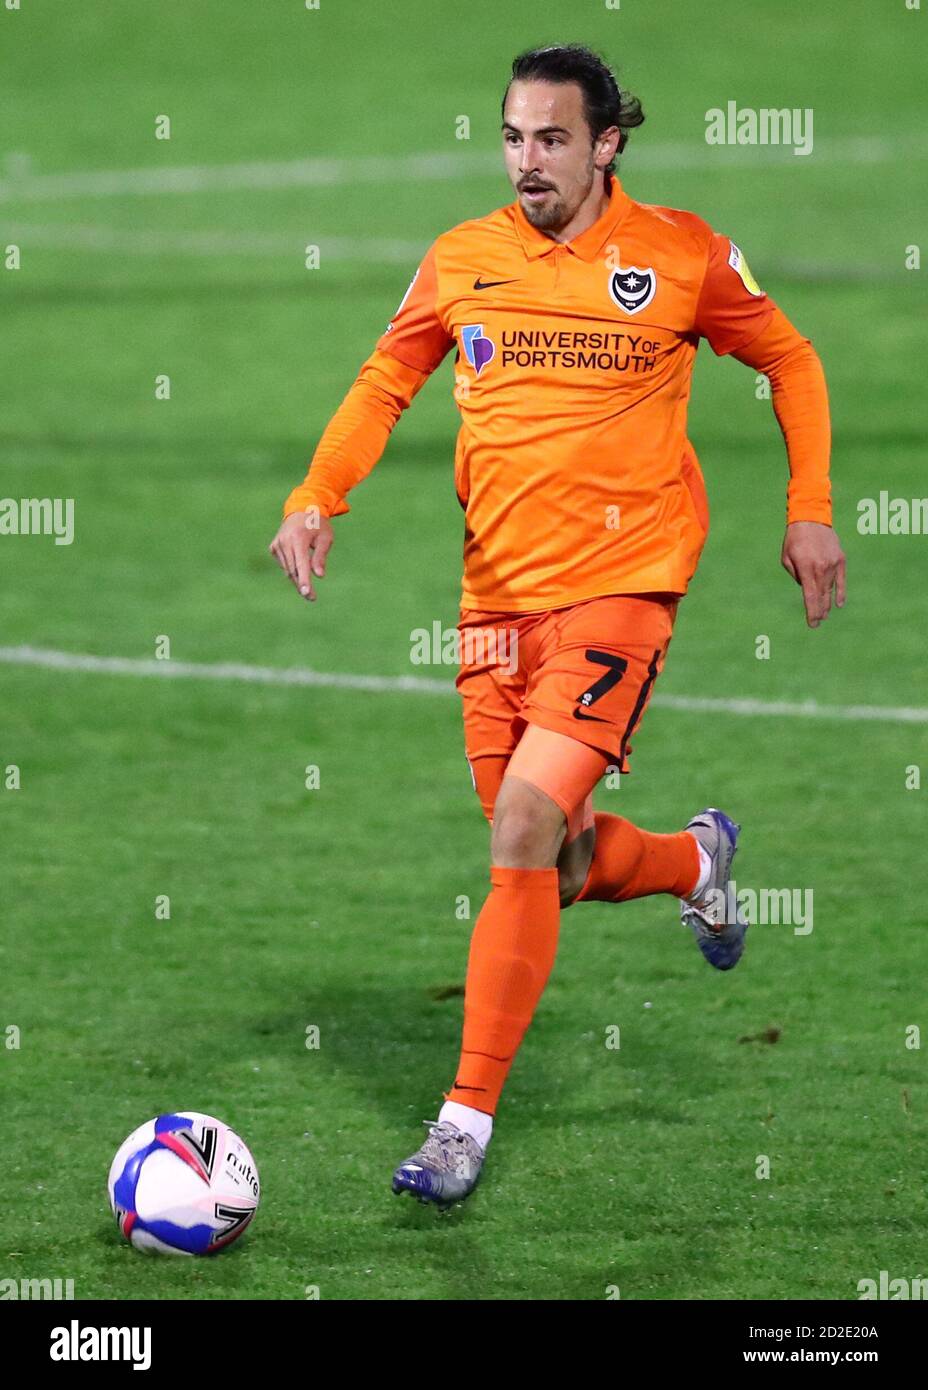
(512,951)
(632,863)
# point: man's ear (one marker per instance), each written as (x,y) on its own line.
(608,145)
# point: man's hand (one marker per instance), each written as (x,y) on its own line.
(812,554)
(300,548)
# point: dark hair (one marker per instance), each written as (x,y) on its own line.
(604,105)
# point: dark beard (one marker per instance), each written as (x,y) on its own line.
(553,218)
(549,218)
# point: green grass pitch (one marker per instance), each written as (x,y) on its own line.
(632,1168)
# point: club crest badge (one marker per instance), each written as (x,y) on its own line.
(632,289)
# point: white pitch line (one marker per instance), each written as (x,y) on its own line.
(808,709)
(324,172)
(423,685)
(65,236)
(327,172)
(219,671)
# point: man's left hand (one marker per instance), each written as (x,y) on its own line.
(812,554)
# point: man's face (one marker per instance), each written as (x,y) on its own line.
(548,150)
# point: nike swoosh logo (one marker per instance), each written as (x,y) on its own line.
(590,717)
(488,284)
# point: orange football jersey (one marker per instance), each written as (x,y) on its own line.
(572,378)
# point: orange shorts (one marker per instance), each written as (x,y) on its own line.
(586,671)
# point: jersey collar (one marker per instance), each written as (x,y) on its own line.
(589,244)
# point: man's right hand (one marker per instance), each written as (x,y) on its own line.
(301,546)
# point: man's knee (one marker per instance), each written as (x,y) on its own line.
(528,827)
(573,865)
(569,883)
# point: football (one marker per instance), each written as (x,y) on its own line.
(183,1184)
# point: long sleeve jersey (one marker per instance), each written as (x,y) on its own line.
(572,378)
